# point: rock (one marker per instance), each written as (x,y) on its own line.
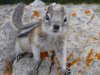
(27,66)
(7,39)
(78,42)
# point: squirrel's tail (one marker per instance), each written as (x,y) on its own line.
(17,16)
(17,19)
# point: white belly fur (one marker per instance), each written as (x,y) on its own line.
(49,43)
(25,45)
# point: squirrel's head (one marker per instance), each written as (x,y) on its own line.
(55,21)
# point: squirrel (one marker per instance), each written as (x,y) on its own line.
(49,33)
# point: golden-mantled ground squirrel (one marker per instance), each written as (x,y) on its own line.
(49,33)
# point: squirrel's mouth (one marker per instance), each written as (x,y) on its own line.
(55,31)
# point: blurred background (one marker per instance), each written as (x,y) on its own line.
(50,1)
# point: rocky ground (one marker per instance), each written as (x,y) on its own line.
(27,66)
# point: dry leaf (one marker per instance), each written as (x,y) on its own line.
(74,14)
(97,56)
(77,60)
(43,55)
(69,57)
(36,14)
(8,69)
(89,58)
(87,12)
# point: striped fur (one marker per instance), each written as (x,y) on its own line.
(17,18)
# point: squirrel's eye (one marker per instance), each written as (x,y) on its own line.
(65,19)
(47,17)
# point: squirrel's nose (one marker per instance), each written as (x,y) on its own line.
(56,27)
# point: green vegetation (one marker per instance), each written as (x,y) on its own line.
(50,1)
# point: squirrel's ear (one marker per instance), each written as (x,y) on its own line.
(50,8)
(62,10)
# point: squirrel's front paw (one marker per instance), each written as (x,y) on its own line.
(19,56)
(66,72)
(36,57)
